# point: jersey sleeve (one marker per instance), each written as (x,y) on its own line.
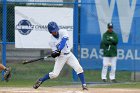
(115,40)
(65,34)
(106,40)
(62,43)
(64,38)
(52,46)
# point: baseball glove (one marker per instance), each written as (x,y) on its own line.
(7,74)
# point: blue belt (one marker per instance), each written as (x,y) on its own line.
(66,53)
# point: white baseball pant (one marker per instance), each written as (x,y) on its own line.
(109,61)
(69,59)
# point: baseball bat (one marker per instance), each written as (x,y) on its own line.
(34,60)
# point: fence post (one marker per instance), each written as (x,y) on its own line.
(75,35)
(4,34)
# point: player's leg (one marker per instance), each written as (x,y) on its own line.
(7,73)
(59,63)
(113,69)
(104,68)
(74,63)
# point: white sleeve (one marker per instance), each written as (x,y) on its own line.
(52,45)
(65,34)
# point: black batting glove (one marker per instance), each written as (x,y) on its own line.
(56,53)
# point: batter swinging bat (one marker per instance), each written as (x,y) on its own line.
(34,60)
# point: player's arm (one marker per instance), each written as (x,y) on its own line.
(106,40)
(101,45)
(53,47)
(60,46)
(62,43)
(63,40)
(115,40)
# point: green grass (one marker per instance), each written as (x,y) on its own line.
(95,76)
(31,83)
(26,75)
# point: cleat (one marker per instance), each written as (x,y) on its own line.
(104,80)
(84,86)
(113,81)
(7,74)
(37,84)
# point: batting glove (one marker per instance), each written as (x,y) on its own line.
(56,53)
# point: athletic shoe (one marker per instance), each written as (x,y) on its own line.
(84,86)
(37,84)
(104,80)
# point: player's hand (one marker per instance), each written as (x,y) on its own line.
(56,53)
(111,39)
(108,39)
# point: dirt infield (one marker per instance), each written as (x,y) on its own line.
(66,90)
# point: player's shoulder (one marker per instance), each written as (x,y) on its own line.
(114,32)
(105,33)
(62,31)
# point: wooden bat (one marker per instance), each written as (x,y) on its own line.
(34,60)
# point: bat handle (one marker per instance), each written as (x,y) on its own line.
(46,57)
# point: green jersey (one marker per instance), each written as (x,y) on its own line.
(109,44)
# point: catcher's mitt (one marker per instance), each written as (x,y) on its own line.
(7,74)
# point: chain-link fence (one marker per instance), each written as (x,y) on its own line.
(29,73)
(14,56)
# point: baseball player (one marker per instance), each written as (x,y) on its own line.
(60,46)
(109,45)
(7,73)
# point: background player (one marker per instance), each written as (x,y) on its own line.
(7,73)
(109,45)
(61,52)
